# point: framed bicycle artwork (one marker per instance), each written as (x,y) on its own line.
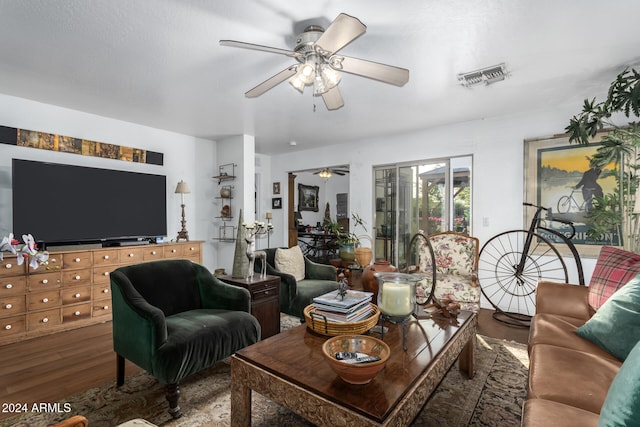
(308,197)
(560,176)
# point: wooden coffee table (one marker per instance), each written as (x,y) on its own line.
(289,369)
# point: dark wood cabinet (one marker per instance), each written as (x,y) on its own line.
(265,300)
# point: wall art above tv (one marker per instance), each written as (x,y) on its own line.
(69,144)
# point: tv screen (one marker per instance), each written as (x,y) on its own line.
(66,204)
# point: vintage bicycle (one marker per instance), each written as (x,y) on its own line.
(569,203)
(511,264)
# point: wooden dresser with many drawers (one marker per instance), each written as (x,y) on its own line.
(73,290)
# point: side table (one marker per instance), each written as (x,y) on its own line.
(265,300)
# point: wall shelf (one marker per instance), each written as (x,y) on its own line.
(226,173)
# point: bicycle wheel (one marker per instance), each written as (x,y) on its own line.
(564,204)
(510,292)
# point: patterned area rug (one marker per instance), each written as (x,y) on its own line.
(494,397)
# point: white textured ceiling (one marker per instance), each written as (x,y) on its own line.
(158,62)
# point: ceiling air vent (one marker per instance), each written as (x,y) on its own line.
(488,75)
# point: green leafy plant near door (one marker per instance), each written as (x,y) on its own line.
(620,145)
(346,240)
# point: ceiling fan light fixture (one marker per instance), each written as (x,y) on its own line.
(318,64)
(297,83)
(304,76)
(325,174)
(331,76)
(325,79)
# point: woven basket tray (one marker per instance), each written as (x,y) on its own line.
(318,323)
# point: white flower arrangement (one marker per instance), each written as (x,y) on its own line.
(26,251)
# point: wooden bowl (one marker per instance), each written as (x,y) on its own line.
(352,373)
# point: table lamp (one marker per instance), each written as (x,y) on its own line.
(182,188)
(297,216)
(397,299)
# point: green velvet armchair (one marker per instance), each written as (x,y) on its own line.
(173,318)
(295,295)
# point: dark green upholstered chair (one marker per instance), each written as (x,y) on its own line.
(296,295)
(173,318)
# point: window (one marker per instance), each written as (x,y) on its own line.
(429,196)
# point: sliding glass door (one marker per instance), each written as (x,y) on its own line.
(428,197)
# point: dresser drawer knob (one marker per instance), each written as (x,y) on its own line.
(192,248)
(173,250)
(106,273)
(7,327)
(77,296)
(77,277)
(105,291)
(153,252)
(8,306)
(77,313)
(45,299)
(45,281)
(106,307)
(45,320)
(77,260)
(106,257)
(130,255)
(8,266)
(53,260)
(8,286)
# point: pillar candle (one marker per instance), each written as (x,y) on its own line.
(396,299)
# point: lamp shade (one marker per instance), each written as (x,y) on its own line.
(182,188)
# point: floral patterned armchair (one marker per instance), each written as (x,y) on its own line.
(456,259)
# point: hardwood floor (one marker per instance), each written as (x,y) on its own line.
(48,369)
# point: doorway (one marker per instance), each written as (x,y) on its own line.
(332,193)
(427,196)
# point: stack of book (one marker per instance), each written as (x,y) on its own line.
(352,307)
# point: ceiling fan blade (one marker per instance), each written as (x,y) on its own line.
(339,173)
(333,99)
(342,31)
(243,45)
(372,70)
(272,82)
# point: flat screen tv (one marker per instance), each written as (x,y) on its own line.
(67,204)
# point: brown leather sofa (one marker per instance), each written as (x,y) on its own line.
(569,376)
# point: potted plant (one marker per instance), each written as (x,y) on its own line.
(348,242)
(620,146)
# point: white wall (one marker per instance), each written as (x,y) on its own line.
(497,146)
(185,157)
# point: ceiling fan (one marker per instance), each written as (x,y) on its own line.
(327,172)
(319,65)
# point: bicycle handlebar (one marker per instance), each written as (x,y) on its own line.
(552,218)
(534,206)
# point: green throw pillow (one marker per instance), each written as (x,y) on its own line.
(616,325)
(622,404)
